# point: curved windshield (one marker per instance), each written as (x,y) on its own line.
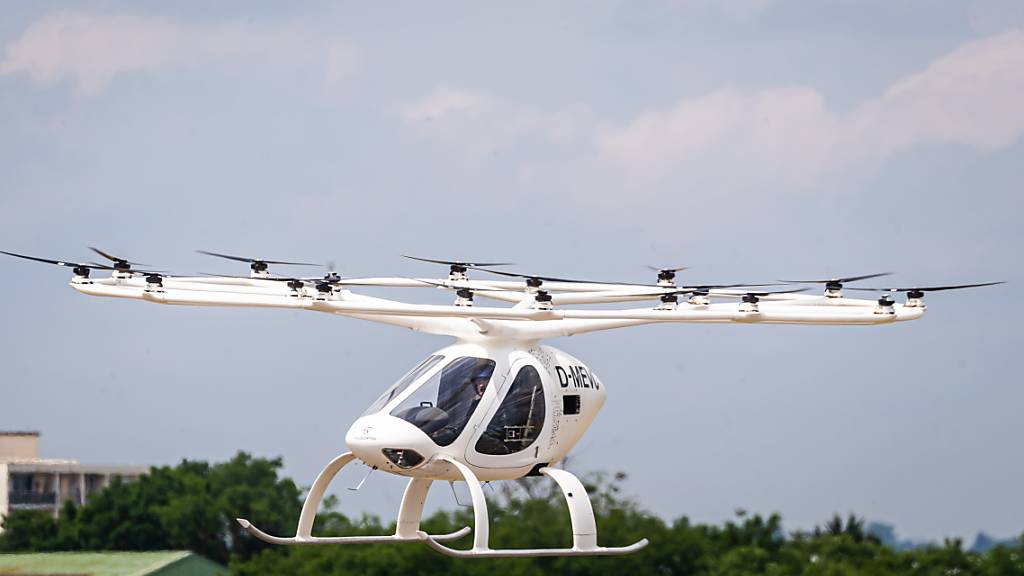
(441,407)
(520,417)
(402,384)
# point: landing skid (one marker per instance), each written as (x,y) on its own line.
(581,513)
(408,529)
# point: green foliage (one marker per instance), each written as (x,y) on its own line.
(193,506)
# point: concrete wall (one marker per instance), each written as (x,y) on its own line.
(16,446)
(3,494)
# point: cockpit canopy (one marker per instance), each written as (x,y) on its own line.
(404,382)
(441,395)
(442,405)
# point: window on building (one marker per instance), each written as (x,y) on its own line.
(520,417)
(21,482)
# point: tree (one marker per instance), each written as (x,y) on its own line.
(191,506)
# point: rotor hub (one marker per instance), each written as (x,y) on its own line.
(700,298)
(81,271)
(915,299)
(463,297)
(885,305)
(669,301)
(457,273)
(748,303)
(542,300)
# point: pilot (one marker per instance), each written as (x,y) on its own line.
(480,381)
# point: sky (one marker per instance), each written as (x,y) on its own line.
(750,140)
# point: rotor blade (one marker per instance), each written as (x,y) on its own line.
(259,278)
(237,258)
(720,286)
(553,279)
(290,263)
(212,275)
(929,288)
(59,262)
(676,269)
(114,258)
(771,292)
(342,282)
(104,254)
(692,289)
(457,263)
(470,288)
(839,280)
(157,273)
(653,294)
(865,277)
(254,260)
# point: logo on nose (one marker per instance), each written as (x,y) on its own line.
(367,430)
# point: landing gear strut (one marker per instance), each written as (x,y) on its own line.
(584,527)
(408,529)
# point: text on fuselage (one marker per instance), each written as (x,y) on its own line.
(578,376)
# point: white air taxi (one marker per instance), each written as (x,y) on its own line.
(496,404)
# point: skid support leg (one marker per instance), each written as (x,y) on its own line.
(316,494)
(581,513)
(409,514)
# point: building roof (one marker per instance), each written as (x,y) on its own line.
(72,467)
(171,563)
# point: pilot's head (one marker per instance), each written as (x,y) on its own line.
(481,379)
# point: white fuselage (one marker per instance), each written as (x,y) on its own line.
(570,394)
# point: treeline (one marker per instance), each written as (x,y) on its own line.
(193,506)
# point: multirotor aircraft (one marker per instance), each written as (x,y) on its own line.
(496,404)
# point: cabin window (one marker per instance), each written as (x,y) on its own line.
(400,386)
(442,406)
(519,419)
(570,404)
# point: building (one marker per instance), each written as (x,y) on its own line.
(110,564)
(30,482)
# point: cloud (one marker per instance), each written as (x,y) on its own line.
(732,138)
(91,49)
(970,97)
(481,124)
(780,133)
(974,96)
